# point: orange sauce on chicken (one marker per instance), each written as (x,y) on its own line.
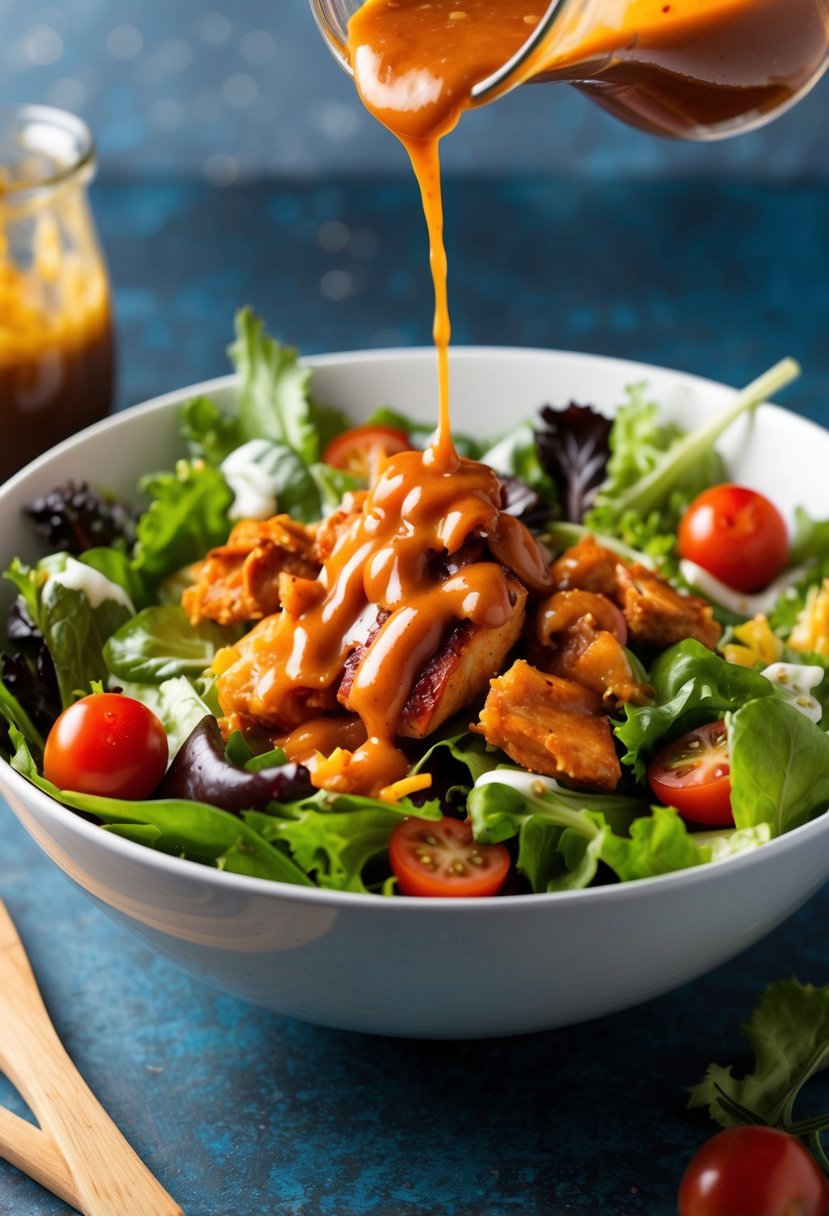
(290,665)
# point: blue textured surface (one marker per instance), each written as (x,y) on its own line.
(240,1112)
(238,90)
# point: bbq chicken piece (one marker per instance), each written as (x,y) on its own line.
(331,529)
(239,581)
(581,636)
(659,616)
(587,566)
(551,726)
(457,674)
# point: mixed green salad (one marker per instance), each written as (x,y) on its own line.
(101,613)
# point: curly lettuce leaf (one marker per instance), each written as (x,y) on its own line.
(692,685)
(562,834)
(274,395)
(654,471)
(74,629)
(187,516)
(337,838)
(789,1036)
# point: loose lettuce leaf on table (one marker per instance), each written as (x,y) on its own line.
(789,1035)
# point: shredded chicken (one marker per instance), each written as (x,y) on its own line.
(551,726)
(239,581)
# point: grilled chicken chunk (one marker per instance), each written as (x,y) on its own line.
(587,566)
(239,581)
(551,726)
(657,615)
(581,636)
(456,675)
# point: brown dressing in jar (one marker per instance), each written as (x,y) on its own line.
(56,342)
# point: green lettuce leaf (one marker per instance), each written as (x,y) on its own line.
(186,517)
(192,830)
(692,685)
(274,396)
(789,1035)
(779,766)
(336,838)
(160,643)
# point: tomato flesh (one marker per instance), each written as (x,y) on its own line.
(693,774)
(441,858)
(107,744)
(737,535)
(753,1171)
(363,449)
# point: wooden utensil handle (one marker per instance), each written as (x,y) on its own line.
(30,1150)
(109,1178)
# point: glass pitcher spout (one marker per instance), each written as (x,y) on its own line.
(690,69)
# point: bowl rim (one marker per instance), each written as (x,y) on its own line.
(134,852)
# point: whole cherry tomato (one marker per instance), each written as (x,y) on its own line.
(753,1171)
(107,744)
(737,535)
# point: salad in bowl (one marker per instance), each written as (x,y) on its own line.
(573,654)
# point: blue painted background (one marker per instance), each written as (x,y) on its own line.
(233,91)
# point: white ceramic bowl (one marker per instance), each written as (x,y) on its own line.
(436,968)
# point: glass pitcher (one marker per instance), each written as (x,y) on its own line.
(728,67)
(56,345)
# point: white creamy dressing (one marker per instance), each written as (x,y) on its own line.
(793,682)
(251,482)
(528,784)
(738,602)
(97,588)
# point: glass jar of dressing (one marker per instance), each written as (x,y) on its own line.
(691,69)
(56,344)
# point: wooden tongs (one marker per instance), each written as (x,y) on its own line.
(77,1152)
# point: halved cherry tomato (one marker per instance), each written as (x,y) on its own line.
(106,744)
(737,535)
(362,450)
(753,1171)
(693,775)
(440,857)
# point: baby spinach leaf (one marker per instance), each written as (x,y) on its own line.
(160,643)
(779,766)
(692,685)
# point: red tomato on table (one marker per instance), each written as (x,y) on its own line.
(737,535)
(753,1171)
(107,744)
(440,857)
(693,775)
